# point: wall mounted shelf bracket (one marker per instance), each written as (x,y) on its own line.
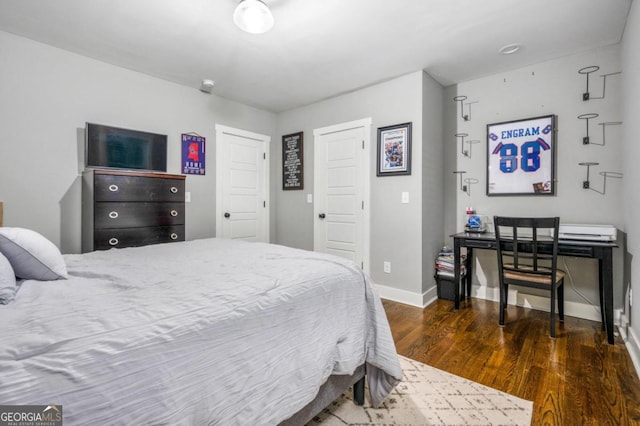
(587,185)
(461,99)
(462,150)
(591,69)
(469,181)
(587,117)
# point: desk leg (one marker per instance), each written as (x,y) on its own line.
(456,274)
(469,265)
(606,289)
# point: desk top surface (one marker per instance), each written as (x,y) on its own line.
(490,236)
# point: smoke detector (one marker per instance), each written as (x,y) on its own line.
(207,86)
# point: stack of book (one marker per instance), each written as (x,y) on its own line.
(445,261)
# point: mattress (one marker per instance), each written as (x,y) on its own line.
(200,332)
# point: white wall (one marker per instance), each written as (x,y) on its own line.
(47,95)
(396,228)
(552,87)
(630,157)
(432,178)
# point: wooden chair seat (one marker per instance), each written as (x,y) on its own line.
(537,278)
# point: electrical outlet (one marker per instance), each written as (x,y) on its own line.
(387,267)
(187,197)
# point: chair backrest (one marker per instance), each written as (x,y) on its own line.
(527,245)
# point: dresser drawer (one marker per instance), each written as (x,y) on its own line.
(133,237)
(136,188)
(131,215)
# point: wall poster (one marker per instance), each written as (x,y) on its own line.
(292,161)
(193,154)
(520,157)
(394,150)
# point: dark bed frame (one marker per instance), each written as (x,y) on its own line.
(329,392)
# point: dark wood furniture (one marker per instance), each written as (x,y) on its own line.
(527,258)
(601,250)
(128,209)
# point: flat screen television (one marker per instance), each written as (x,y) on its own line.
(116,148)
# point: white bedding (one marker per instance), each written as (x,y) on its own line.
(237,333)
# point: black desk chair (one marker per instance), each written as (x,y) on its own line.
(528,256)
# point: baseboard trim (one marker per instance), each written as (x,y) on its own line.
(407,297)
(633,346)
(541,303)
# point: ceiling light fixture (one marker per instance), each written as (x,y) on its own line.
(509,49)
(253,16)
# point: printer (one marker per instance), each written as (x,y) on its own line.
(572,231)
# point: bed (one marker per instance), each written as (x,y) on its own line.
(207,331)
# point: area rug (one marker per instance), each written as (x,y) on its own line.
(428,396)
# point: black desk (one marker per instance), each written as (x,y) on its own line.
(601,250)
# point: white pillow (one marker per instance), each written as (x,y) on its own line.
(7,281)
(31,255)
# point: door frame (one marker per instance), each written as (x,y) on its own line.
(365,123)
(220,131)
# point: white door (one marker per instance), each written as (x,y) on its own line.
(242,182)
(341,188)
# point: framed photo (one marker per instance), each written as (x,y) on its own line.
(521,157)
(193,154)
(292,161)
(394,150)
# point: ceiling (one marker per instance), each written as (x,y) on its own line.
(317,49)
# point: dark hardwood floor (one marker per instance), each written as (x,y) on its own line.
(575,379)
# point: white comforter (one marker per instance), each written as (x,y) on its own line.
(201,332)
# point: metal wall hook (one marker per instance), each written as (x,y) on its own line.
(471,142)
(469,181)
(461,99)
(604,126)
(587,117)
(591,69)
(462,136)
(586,184)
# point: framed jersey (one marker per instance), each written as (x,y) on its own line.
(521,157)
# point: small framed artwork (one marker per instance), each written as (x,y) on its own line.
(394,150)
(193,154)
(292,161)
(521,157)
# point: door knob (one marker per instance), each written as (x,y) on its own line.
(321,216)
(227,215)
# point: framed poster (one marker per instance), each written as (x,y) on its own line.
(292,161)
(521,157)
(394,150)
(193,154)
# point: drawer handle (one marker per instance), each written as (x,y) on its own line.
(113,188)
(174,236)
(174,213)
(113,215)
(174,190)
(113,241)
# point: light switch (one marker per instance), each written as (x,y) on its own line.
(309,198)
(405,198)
(187,197)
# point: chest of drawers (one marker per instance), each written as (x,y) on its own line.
(127,209)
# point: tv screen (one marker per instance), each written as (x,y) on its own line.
(116,148)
